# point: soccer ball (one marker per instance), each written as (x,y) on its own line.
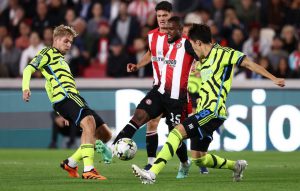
(125,149)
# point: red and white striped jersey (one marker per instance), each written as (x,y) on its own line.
(176,69)
(158,46)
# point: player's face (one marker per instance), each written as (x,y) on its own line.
(162,18)
(174,31)
(64,43)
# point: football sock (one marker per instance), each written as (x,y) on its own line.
(167,151)
(128,131)
(214,161)
(151,160)
(75,158)
(182,152)
(87,151)
(151,145)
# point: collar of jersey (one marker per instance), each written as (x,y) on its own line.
(206,57)
(160,33)
(57,50)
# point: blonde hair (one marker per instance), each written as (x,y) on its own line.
(63,30)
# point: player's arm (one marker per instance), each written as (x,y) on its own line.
(28,71)
(41,59)
(144,61)
(247,63)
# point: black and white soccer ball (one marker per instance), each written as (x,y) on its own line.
(125,149)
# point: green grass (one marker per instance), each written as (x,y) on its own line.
(38,170)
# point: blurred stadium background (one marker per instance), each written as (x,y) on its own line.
(113,33)
(262,117)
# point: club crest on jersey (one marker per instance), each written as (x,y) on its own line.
(148,101)
(178,45)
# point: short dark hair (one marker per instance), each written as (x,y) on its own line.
(164,5)
(175,19)
(200,32)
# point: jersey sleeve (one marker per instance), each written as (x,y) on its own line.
(237,57)
(28,71)
(49,89)
(41,59)
(189,49)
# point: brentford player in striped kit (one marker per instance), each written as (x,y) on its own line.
(171,66)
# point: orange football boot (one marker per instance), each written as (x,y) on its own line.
(73,172)
(93,174)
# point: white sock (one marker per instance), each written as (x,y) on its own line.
(88,168)
(151,160)
(72,163)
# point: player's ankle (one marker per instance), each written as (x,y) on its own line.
(186,163)
(72,163)
(88,168)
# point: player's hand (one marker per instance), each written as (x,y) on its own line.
(26,95)
(66,122)
(131,67)
(279,82)
(61,122)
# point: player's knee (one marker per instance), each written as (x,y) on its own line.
(88,123)
(181,130)
(140,117)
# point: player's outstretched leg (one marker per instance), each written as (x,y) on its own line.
(239,168)
(87,148)
(146,176)
(103,135)
(167,152)
(71,164)
(185,164)
(183,170)
(128,131)
(214,161)
(104,150)
(92,174)
(140,117)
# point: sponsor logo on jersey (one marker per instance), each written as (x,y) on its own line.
(157,59)
(206,74)
(172,63)
(191,126)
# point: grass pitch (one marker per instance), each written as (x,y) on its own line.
(38,170)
